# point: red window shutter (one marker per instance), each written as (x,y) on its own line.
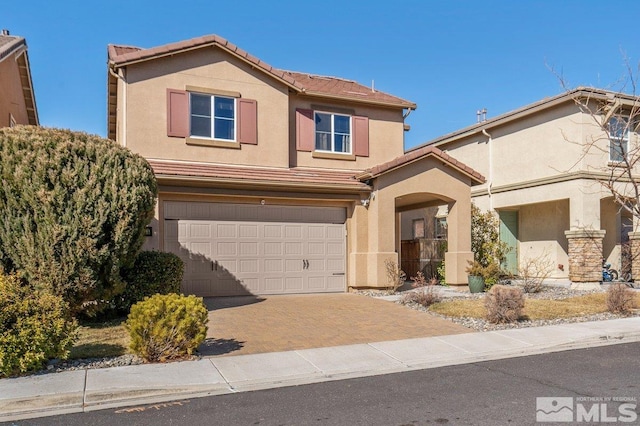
(360,136)
(305,130)
(247,121)
(177,113)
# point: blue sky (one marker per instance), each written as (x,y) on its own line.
(450,57)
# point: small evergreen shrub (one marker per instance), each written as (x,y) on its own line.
(504,304)
(620,299)
(165,327)
(34,327)
(154,272)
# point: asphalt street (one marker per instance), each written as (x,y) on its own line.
(486,393)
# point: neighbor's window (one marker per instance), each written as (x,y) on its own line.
(618,138)
(213,117)
(333,132)
(418,228)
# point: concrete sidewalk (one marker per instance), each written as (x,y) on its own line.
(86,390)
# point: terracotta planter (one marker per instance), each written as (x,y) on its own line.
(476,284)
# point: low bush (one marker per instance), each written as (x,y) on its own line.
(165,327)
(425,293)
(154,272)
(620,299)
(34,327)
(425,296)
(504,304)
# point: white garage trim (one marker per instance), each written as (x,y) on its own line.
(236,249)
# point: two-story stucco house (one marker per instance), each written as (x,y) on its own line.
(544,164)
(274,181)
(17,100)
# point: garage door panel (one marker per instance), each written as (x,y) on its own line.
(273,231)
(316,248)
(273,248)
(293,284)
(293,249)
(335,249)
(274,285)
(248,248)
(248,266)
(293,265)
(317,283)
(248,231)
(293,232)
(226,230)
(273,265)
(236,249)
(335,283)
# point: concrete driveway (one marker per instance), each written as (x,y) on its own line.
(258,324)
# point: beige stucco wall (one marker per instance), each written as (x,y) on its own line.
(425,181)
(11,95)
(541,235)
(386,134)
(545,166)
(143,108)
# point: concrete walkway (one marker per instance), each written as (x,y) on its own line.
(86,390)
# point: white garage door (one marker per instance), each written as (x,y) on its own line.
(236,249)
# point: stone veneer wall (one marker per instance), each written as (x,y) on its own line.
(634,239)
(585,255)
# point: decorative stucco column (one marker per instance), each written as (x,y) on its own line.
(634,240)
(585,256)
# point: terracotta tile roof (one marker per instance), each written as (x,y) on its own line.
(418,154)
(303,83)
(319,178)
(345,89)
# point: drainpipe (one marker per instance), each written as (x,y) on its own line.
(490,182)
(120,76)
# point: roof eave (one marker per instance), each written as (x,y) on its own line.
(114,63)
(402,105)
(266,184)
(570,96)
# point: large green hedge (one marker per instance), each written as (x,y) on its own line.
(74,207)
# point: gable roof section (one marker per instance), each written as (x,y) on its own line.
(312,85)
(317,180)
(419,154)
(546,103)
(10,45)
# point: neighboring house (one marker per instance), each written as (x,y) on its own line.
(275,181)
(544,185)
(17,99)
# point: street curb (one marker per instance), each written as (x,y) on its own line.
(20,408)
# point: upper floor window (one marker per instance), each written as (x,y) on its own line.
(618,138)
(418,228)
(333,132)
(213,117)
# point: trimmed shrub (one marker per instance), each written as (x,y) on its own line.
(154,272)
(74,208)
(34,327)
(620,299)
(165,327)
(504,304)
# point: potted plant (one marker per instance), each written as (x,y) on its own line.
(476,277)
